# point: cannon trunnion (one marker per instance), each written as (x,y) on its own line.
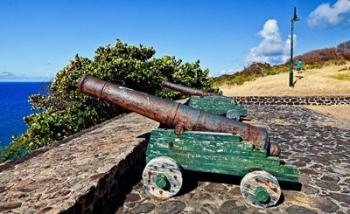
(201,141)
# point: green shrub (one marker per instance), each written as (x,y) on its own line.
(12,151)
(336,62)
(314,65)
(64,111)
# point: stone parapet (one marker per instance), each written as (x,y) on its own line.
(293,100)
(87,173)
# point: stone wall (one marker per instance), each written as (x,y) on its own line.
(89,172)
(289,100)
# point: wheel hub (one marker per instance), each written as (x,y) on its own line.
(162,181)
(261,194)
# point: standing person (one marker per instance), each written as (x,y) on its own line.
(299,66)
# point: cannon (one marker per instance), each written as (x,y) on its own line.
(209,102)
(201,141)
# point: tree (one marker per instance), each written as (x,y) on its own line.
(64,111)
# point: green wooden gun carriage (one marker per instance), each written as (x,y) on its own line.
(209,102)
(200,141)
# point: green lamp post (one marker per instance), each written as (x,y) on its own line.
(293,20)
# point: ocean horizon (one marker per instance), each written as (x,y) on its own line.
(14,106)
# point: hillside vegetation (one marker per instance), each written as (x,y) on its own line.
(311,60)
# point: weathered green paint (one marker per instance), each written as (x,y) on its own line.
(221,153)
(217,105)
(261,194)
(209,136)
(161,181)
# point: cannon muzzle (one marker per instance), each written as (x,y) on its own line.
(186,90)
(173,114)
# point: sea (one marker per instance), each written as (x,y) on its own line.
(14,106)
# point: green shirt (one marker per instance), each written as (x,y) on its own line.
(299,64)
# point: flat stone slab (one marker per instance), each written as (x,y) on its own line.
(293,100)
(318,144)
(57,178)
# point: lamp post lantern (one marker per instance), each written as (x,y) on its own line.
(293,20)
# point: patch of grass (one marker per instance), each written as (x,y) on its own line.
(344,76)
(337,62)
(344,69)
(315,65)
(276,70)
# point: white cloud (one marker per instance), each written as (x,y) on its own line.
(272,49)
(229,71)
(286,50)
(10,76)
(330,15)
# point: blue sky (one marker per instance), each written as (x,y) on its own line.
(38,38)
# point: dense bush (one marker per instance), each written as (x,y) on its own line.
(64,111)
(323,55)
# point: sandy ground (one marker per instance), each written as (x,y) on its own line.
(339,111)
(315,82)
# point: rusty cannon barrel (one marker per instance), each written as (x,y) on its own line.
(173,114)
(185,90)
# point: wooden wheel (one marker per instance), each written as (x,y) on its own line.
(162,177)
(260,189)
